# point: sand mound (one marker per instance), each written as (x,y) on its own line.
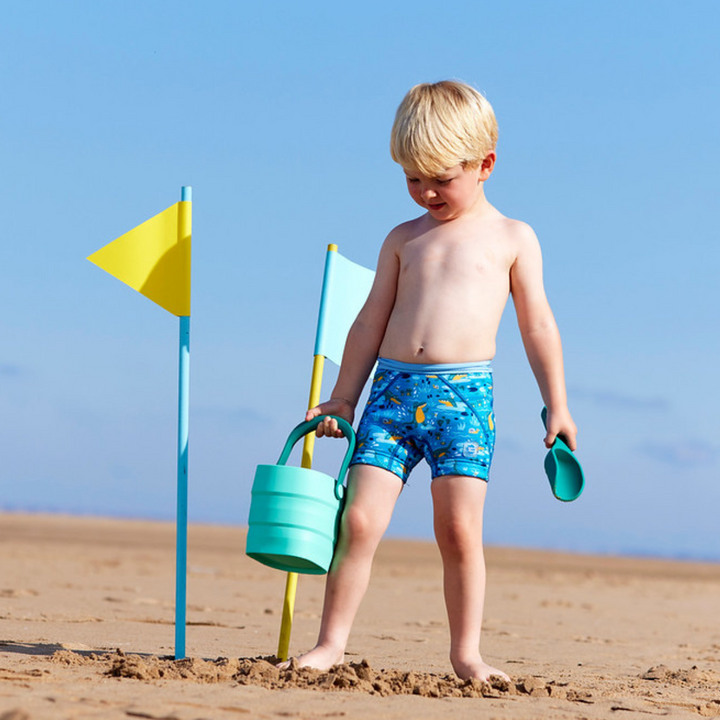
(70,657)
(353,677)
(151,667)
(693,677)
(360,677)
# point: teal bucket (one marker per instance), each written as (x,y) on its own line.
(295,512)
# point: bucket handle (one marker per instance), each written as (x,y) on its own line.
(305,427)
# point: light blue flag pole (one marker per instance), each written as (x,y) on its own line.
(155,260)
(182,474)
(345,288)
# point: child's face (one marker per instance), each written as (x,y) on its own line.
(453,193)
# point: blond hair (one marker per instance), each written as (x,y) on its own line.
(441,125)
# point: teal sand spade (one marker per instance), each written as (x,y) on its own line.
(563,469)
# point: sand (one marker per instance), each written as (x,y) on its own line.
(87,631)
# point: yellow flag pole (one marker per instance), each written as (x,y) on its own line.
(307,457)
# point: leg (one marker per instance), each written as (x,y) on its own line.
(372,493)
(458,512)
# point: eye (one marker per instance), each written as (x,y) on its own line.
(412,180)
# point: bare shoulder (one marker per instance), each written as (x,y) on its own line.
(406,231)
(518,232)
(520,237)
(396,239)
(388,264)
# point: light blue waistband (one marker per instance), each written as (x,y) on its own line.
(435,369)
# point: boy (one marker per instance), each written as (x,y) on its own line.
(430,321)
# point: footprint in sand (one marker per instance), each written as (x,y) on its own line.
(13,593)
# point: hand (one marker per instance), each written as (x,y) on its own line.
(335,406)
(559,422)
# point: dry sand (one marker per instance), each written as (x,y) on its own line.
(87,615)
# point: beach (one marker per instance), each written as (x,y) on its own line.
(87,631)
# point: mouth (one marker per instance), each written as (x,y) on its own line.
(436,206)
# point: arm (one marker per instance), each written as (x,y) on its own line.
(363,342)
(540,336)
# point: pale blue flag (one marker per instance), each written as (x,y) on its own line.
(346,286)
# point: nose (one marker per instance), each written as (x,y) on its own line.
(428,193)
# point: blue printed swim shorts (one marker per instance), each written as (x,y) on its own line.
(443,413)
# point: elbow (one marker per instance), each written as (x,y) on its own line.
(365,331)
(543,329)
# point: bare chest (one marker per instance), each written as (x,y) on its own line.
(454,260)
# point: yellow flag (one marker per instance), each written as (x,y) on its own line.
(154,258)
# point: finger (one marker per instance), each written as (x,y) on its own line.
(324,429)
(331,427)
(313,412)
(321,430)
(335,428)
(550,440)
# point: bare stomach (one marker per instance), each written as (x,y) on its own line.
(441,344)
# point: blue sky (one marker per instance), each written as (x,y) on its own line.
(278,114)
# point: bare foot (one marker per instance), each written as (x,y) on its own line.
(478,670)
(320,658)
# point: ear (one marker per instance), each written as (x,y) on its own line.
(487,166)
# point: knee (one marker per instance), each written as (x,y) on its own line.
(458,538)
(358,525)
